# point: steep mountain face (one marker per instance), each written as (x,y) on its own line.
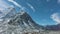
(9,12)
(23,20)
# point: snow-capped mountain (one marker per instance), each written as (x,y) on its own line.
(18,23)
(9,12)
(24,20)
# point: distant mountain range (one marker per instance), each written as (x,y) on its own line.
(53,27)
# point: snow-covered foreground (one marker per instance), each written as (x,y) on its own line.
(54,32)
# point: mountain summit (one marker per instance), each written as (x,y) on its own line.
(23,20)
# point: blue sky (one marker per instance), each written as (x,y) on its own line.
(43,12)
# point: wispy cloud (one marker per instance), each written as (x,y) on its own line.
(15,3)
(31,6)
(56,17)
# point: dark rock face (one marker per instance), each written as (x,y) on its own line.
(25,23)
(24,20)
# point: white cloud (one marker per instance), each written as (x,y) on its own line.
(58,1)
(56,17)
(31,6)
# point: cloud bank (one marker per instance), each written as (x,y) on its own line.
(56,17)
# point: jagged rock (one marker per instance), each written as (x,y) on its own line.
(24,20)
